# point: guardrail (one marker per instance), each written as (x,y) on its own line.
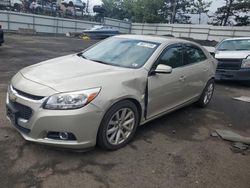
(202,32)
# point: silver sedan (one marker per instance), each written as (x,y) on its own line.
(101,95)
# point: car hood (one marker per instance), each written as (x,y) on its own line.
(232,54)
(70,73)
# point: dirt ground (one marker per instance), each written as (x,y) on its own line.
(173,151)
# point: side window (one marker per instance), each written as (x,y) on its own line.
(193,54)
(172,57)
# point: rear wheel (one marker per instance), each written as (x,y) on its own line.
(118,126)
(206,94)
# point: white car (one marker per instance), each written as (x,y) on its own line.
(16,4)
(76,3)
(233,57)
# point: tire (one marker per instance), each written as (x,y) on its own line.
(206,95)
(112,134)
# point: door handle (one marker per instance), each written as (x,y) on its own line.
(182,78)
(205,69)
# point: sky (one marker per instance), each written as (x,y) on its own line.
(214,6)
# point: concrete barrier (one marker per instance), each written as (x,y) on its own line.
(12,21)
(200,32)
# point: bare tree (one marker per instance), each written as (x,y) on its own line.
(199,7)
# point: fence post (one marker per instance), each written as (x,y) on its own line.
(234,32)
(172,29)
(8,18)
(130,27)
(33,23)
(75,26)
(156,29)
(189,32)
(208,33)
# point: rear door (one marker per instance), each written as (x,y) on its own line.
(165,91)
(196,70)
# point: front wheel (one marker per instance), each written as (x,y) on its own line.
(118,126)
(207,94)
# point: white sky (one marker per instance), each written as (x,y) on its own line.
(214,6)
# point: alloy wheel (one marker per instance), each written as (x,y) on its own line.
(120,126)
(208,93)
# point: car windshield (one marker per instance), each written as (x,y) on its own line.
(232,45)
(121,52)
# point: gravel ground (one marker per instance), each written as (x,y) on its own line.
(173,151)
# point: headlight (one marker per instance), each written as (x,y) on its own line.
(246,63)
(71,100)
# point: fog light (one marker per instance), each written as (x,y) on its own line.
(63,135)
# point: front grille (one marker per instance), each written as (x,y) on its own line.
(33,97)
(229,64)
(24,112)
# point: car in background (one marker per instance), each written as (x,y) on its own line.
(100,32)
(103,93)
(233,57)
(41,6)
(13,4)
(74,3)
(1,36)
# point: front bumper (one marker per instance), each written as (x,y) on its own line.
(83,123)
(240,75)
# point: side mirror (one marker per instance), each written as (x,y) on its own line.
(162,69)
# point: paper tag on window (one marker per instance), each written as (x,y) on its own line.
(134,65)
(146,45)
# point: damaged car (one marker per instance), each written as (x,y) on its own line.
(101,95)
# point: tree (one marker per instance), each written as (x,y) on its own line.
(176,10)
(134,10)
(232,8)
(199,7)
(114,9)
(148,11)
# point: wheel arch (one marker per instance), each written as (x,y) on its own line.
(133,100)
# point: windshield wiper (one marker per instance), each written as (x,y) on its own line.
(223,49)
(103,62)
(81,55)
(99,61)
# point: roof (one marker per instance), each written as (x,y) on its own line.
(238,38)
(152,38)
(158,39)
